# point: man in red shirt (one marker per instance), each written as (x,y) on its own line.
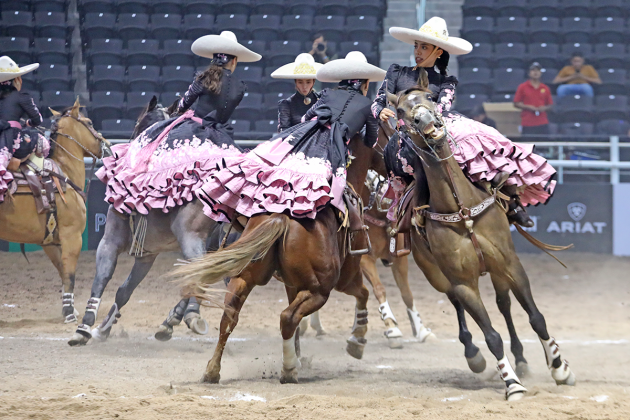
(534,98)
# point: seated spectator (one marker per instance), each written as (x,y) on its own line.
(478,113)
(577,78)
(320,51)
(534,98)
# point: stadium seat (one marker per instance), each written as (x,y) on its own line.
(511,54)
(134,7)
(259,47)
(333,7)
(581,8)
(614,81)
(249,108)
(570,47)
(264,27)
(613,127)
(465,103)
(269,7)
(29,83)
(118,127)
(545,54)
(167,6)
(106,106)
(609,55)
(511,29)
(96,6)
(52,25)
(236,7)
(302,7)
(133,26)
(611,107)
(177,78)
(574,108)
(14,5)
(107,78)
(577,29)
(605,8)
(57,100)
(240,127)
(478,27)
(51,51)
(266,126)
(54,77)
(331,26)
(143,78)
(283,52)
(177,53)
(166,26)
(544,29)
(479,8)
(475,80)
(609,29)
(167,98)
(19,49)
(99,26)
(511,8)
(198,25)
(362,28)
(548,74)
(297,27)
(202,7)
(502,97)
(143,52)
(251,75)
(279,85)
(365,47)
(480,56)
(544,8)
(577,129)
(105,51)
(18,23)
(236,23)
(374,8)
(506,80)
(137,102)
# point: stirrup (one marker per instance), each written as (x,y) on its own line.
(518,214)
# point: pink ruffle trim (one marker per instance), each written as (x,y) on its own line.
(6,178)
(484,152)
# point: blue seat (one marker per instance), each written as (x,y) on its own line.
(55,77)
(544,29)
(363,46)
(374,8)
(166,26)
(137,102)
(333,7)
(118,127)
(107,78)
(516,8)
(106,106)
(168,98)
(133,26)
(241,127)
(542,8)
(177,78)
(143,78)
(236,7)
(270,7)
(611,106)
(198,25)
(511,29)
(265,27)
(511,54)
(52,25)
(143,52)
(605,8)
(571,47)
(18,23)
(480,56)
(134,6)
(283,52)
(19,49)
(203,7)
(331,26)
(465,103)
(13,5)
(297,27)
(506,80)
(614,81)
(609,55)
(581,8)
(52,51)
(252,76)
(177,52)
(609,29)
(105,51)
(57,100)
(236,23)
(96,6)
(249,108)
(577,29)
(174,7)
(364,28)
(475,80)
(98,26)
(478,27)
(574,108)
(302,7)
(545,54)
(479,8)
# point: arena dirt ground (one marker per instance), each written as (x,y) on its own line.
(132,376)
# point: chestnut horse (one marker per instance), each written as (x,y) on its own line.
(311,257)
(73,139)
(466,235)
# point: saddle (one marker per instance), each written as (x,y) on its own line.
(352,221)
(404,214)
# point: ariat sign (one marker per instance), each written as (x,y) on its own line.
(580,214)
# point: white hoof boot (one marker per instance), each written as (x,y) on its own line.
(417,327)
(101,333)
(81,336)
(304,325)
(394,338)
(563,374)
(72,318)
(196,323)
(514,388)
(67,300)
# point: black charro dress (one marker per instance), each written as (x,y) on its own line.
(15,140)
(300,170)
(292,109)
(164,166)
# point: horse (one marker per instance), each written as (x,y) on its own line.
(73,138)
(463,234)
(310,256)
(186,228)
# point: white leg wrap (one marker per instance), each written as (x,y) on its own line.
(92,306)
(552,350)
(67,299)
(360,318)
(507,374)
(561,374)
(386,312)
(289,357)
(102,331)
(316,323)
(418,328)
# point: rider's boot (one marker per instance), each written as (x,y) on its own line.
(516,212)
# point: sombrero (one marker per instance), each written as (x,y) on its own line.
(433,32)
(304,67)
(9,70)
(226,43)
(354,66)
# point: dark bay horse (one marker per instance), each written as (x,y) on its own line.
(467,234)
(310,256)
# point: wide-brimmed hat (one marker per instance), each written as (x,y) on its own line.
(433,32)
(9,70)
(304,67)
(354,66)
(226,43)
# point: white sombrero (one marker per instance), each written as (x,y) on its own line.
(433,32)
(304,67)
(354,66)
(9,70)
(226,43)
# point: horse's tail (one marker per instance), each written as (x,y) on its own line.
(229,262)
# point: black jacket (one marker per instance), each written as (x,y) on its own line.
(291,110)
(17,105)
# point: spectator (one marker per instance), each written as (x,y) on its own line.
(577,78)
(478,113)
(534,98)
(320,51)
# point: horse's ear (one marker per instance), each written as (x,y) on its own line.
(153,103)
(424,78)
(171,109)
(74,112)
(54,113)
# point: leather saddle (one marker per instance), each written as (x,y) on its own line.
(402,226)
(34,178)
(352,221)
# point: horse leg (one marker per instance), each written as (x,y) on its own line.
(469,297)
(400,270)
(476,361)
(504,304)
(67,273)
(392,332)
(356,343)
(521,288)
(140,269)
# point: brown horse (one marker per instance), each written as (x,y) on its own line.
(73,139)
(467,234)
(310,256)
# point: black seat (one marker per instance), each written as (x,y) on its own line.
(548,74)
(143,52)
(475,80)
(478,27)
(99,26)
(479,8)
(279,85)
(174,7)
(257,46)
(511,29)
(331,26)
(57,100)
(302,7)
(51,25)
(609,55)
(611,106)
(18,23)
(269,7)
(365,47)
(333,7)
(582,8)
(297,27)
(364,28)
(19,49)
(240,127)
(96,6)
(577,128)
(52,51)
(577,29)
(134,6)
(143,78)
(137,102)
(544,53)
(571,47)
(604,8)
(105,51)
(512,8)
(107,78)
(106,106)
(374,8)
(133,26)
(29,83)
(54,77)
(251,75)
(512,54)
(177,52)
(614,81)
(609,29)
(250,107)
(236,7)
(177,78)
(264,27)
(122,128)
(544,29)
(283,52)
(198,25)
(203,7)
(236,23)
(541,8)
(20,5)
(465,103)
(508,79)
(480,56)
(266,126)
(167,98)
(166,26)
(574,108)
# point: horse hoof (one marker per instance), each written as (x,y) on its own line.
(78,339)
(515,392)
(563,375)
(211,378)
(522,369)
(199,326)
(426,335)
(477,363)
(99,335)
(289,376)
(321,332)
(164,333)
(72,318)
(570,381)
(355,346)
(395,342)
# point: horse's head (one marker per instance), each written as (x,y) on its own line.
(417,114)
(72,128)
(154,112)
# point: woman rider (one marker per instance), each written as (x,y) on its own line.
(302,71)
(484,154)
(303,168)
(167,163)
(17,142)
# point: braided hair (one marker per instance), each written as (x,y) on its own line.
(442,62)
